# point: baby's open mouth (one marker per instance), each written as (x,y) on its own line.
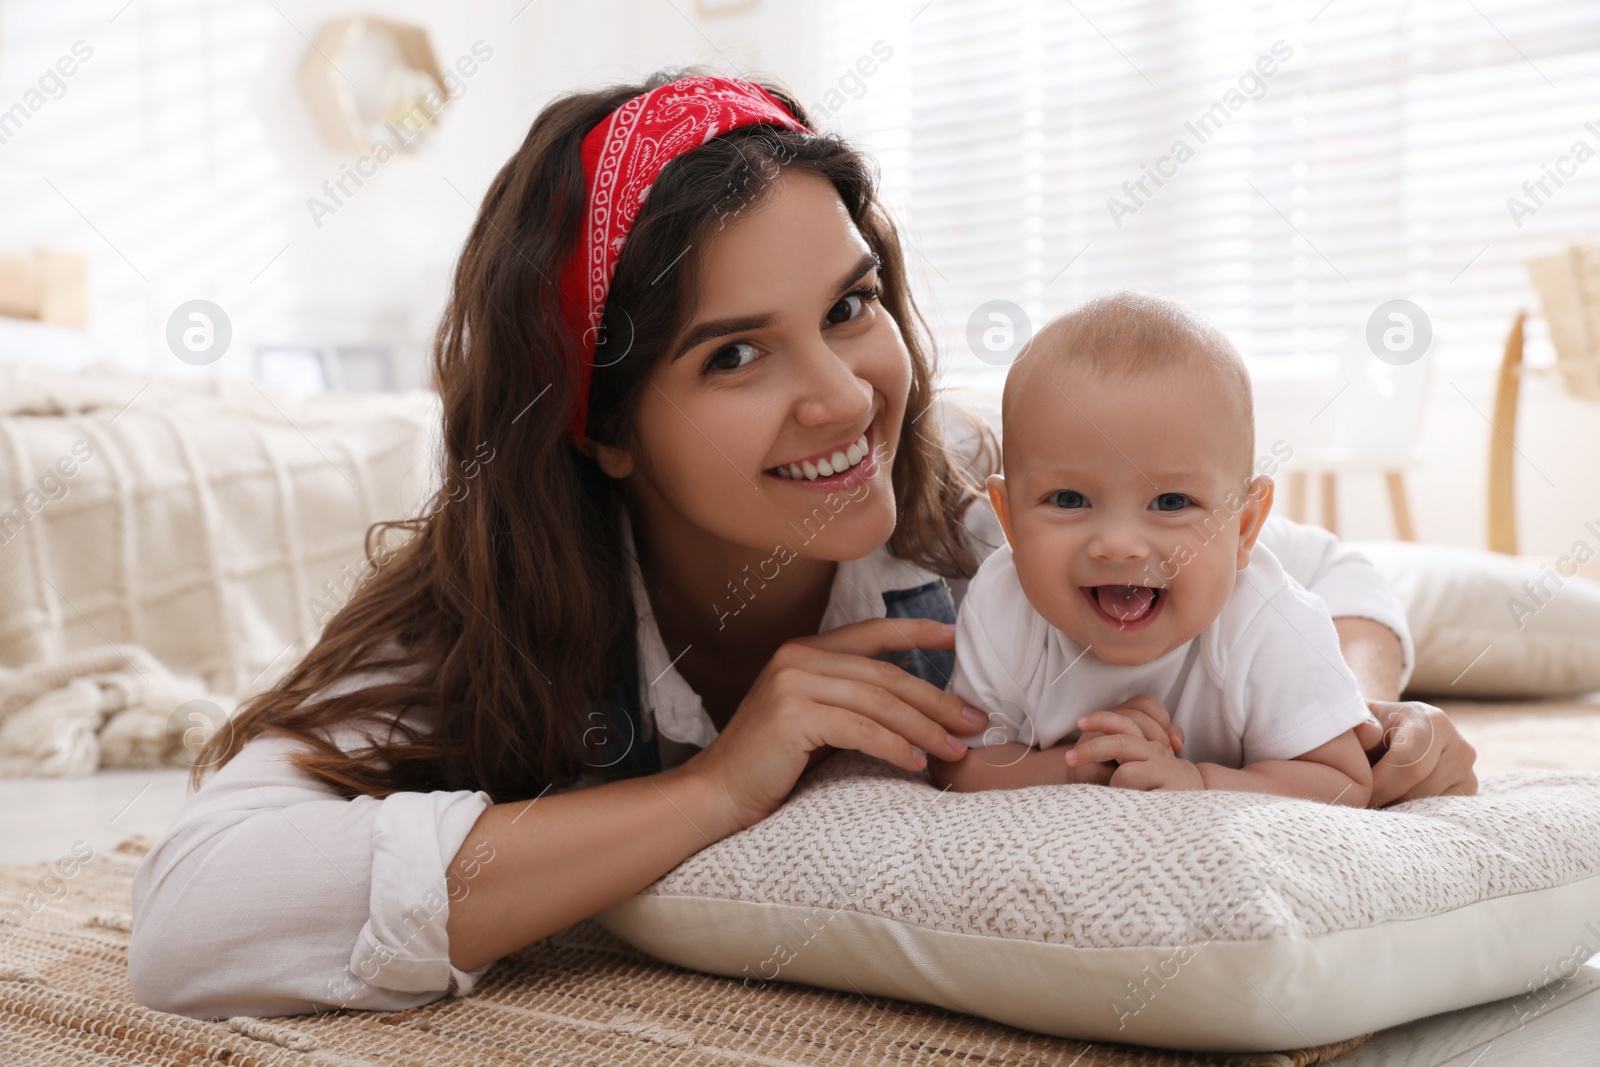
(1126,606)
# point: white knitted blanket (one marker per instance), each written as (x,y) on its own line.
(111,706)
(165,541)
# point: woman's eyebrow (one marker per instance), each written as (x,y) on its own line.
(863,266)
(709,331)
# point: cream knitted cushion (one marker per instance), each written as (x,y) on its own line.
(1200,920)
(1491,625)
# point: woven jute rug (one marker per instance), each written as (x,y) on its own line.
(580,997)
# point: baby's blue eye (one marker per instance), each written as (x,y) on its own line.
(1170,502)
(1069,498)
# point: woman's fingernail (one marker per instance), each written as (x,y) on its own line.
(1083,723)
(1072,756)
(974,716)
(957,745)
(949,627)
(919,759)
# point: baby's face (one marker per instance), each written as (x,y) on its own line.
(1129,505)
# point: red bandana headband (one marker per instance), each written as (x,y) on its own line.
(621,159)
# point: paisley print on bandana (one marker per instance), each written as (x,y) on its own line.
(621,158)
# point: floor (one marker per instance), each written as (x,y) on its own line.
(1554,735)
(41,819)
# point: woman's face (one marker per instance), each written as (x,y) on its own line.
(786,364)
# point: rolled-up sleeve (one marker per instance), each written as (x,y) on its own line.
(1343,577)
(272,895)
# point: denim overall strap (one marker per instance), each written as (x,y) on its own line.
(928,601)
(614,726)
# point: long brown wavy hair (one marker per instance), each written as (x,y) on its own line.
(507,602)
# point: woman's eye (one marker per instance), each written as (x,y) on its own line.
(1170,502)
(1069,498)
(740,352)
(849,306)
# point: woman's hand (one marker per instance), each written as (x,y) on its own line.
(827,691)
(1414,748)
(1415,751)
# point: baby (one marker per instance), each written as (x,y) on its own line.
(1131,578)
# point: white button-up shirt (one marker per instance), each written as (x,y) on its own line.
(271,894)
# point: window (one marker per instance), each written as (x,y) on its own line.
(1286,168)
(149,157)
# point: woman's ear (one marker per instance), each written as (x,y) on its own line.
(1258,505)
(1002,507)
(616,462)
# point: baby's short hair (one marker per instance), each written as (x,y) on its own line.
(1125,334)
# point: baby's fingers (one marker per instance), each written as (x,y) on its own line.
(1128,721)
(1111,722)
(1147,704)
(1142,775)
(1120,747)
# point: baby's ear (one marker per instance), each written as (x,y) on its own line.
(1257,506)
(1002,507)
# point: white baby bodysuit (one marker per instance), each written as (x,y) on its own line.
(1265,681)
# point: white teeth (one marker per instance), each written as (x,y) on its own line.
(808,470)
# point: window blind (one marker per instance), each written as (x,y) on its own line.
(1286,168)
(150,158)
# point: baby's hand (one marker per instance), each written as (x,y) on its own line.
(1139,716)
(1137,734)
(1142,762)
(1160,772)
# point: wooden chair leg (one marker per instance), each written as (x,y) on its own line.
(1502,447)
(1297,496)
(1400,505)
(1330,502)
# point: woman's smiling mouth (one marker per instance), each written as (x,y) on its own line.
(836,468)
(1126,607)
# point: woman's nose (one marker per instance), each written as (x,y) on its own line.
(830,390)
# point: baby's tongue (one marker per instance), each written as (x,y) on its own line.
(1129,603)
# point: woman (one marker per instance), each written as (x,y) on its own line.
(643,602)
